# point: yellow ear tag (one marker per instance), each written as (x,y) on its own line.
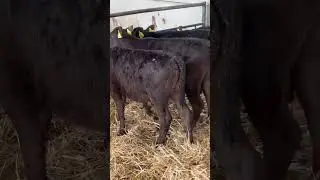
(129,32)
(130,28)
(141,35)
(151,30)
(119,35)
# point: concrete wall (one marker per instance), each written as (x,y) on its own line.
(163,19)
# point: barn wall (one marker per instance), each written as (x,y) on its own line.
(164,19)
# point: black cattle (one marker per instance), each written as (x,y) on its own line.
(198,65)
(149,76)
(196,33)
(120,32)
(136,31)
(231,146)
(151,28)
(114,30)
(133,32)
(53,61)
(280,46)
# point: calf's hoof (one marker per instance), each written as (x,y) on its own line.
(121,132)
(191,140)
(190,137)
(160,141)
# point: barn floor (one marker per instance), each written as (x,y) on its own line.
(134,156)
(73,153)
(78,154)
(300,168)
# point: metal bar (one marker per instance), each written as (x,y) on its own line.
(204,13)
(176,2)
(157,9)
(187,26)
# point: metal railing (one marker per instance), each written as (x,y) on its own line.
(187,26)
(203,4)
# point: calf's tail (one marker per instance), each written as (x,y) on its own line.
(182,67)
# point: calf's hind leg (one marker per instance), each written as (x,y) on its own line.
(160,102)
(120,101)
(165,121)
(193,95)
(185,114)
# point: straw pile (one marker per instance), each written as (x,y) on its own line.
(73,153)
(135,156)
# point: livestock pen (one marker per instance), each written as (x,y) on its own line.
(135,155)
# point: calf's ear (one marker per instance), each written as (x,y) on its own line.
(130,28)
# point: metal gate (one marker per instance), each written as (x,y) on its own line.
(202,4)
